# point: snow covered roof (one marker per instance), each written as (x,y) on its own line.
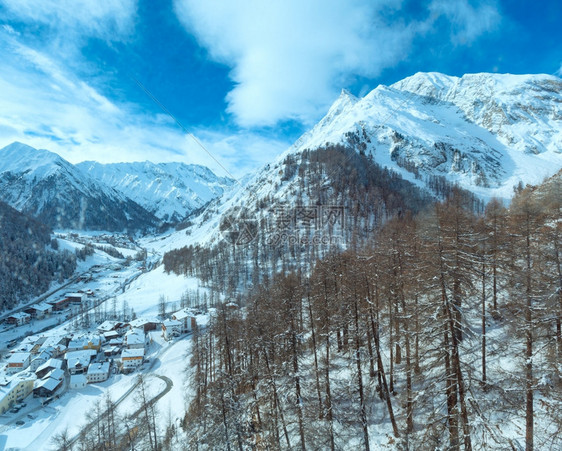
(108,325)
(182,314)
(19,357)
(98,368)
(20,315)
(78,379)
(7,383)
(79,357)
(42,307)
(51,363)
(171,323)
(132,353)
(135,336)
(57,373)
(140,322)
(48,384)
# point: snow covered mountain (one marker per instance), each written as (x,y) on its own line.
(170,191)
(44,185)
(486,132)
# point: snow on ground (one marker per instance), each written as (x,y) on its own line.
(141,290)
(145,291)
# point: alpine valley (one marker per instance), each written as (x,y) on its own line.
(392,280)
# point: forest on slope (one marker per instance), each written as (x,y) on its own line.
(29,259)
(443,333)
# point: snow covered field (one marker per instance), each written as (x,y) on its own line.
(141,292)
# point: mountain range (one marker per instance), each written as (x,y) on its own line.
(486,133)
(99,197)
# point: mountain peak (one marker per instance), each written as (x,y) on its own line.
(19,157)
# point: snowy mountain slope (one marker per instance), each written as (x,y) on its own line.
(170,191)
(46,186)
(486,132)
(429,125)
(523,111)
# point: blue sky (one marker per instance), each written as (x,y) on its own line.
(245,77)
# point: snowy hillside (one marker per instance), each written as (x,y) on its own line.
(46,186)
(486,132)
(170,191)
(425,127)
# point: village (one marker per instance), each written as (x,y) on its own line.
(48,364)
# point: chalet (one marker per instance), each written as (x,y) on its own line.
(110,351)
(46,387)
(108,336)
(40,311)
(18,318)
(75,298)
(131,359)
(146,325)
(171,328)
(187,319)
(135,339)
(56,373)
(17,362)
(14,389)
(57,344)
(98,372)
(59,304)
(48,366)
(32,344)
(78,381)
(117,326)
(82,343)
(39,360)
(77,362)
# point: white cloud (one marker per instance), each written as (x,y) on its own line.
(468,22)
(290,57)
(109,20)
(45,106)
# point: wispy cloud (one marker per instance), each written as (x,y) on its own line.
(111,20)
(46,103)
(289,58)
(47,107)
(468,20)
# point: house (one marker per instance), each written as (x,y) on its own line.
(59,304)
(131,359)
(146,325)
(77,362)
(46,387)
(18,318)
(116,326)
(39,360)
(75,298)
(78,381)
(187,319)
(56,344)
(81,343)
(40,311)
(14,389)
(48,366)
(98,372)
(31,344)
(110,351)
(135,339)
(171,328)
(111,335)
(17,362)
